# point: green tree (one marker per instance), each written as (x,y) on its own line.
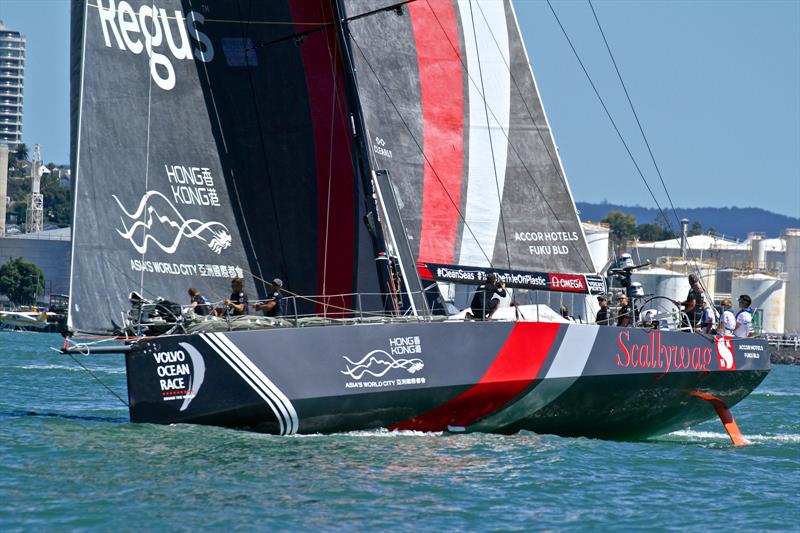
(21,281)
(22,152)
(57,200)
(622,226)
(696,228)
(653,232)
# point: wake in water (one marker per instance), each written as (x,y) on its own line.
(69,368)
(713,435)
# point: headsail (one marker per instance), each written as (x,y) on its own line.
(453,113)
(211,143)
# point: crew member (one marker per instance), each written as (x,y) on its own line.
(565,313)
(693,306)
(744,318)
(602,315)
(199,303)
(624,317)
(273,306)
(728,321)
(708,319)
(237,304)
(483,304)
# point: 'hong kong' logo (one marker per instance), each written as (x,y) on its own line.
(725,353)
(378,363)
(156,220)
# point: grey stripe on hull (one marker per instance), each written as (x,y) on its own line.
(567,367)
(263,386)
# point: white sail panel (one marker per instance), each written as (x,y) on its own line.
(489,83)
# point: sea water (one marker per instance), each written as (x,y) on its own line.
(71,460)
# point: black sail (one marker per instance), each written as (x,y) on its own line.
(211,142)
(453,113)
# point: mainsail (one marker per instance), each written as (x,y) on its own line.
(212,141)
(453,114)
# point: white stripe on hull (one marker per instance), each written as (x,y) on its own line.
(567,367)
(253,376)
(489,85)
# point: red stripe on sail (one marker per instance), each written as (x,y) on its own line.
(441,86)
(511,372)
(324,77)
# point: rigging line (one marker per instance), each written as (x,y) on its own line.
(489,131)
(421,151)
(267,173)
(334,101)
(98,380)
(644,137)
(510,144)
(147,160)
(608,113)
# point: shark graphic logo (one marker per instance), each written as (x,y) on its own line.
(377,363)
(156,214)
(725,353)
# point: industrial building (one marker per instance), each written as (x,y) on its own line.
(767,269)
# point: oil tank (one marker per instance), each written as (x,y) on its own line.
(706,271)
(768,293)
(662,282)
(723,281)
(758,251)
(597,237)
(792,263)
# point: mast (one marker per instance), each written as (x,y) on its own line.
(363,168)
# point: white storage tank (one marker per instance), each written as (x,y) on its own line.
(792,262)
(706,271)
(662,282)
(768,293)
(597,237)
(723,281)
(758,251)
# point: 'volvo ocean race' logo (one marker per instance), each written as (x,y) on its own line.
(149,30)
(378,363)
(180,373)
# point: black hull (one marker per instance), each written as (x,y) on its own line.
(571,380)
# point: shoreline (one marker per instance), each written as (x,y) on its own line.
(784,356)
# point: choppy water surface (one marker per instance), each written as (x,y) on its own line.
(70,460)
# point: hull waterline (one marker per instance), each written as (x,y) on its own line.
(565,379)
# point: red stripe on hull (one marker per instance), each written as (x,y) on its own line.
(512,371)
(322,63)
(441,85)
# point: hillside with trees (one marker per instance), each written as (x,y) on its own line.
(731,222)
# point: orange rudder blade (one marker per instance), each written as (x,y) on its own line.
(725,416)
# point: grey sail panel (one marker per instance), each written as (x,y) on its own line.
(453,113)
(152,207)
(210,144)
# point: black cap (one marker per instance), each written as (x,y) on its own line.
(692,278)
(745,299)
(602,299)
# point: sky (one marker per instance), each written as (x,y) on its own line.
(715,83)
